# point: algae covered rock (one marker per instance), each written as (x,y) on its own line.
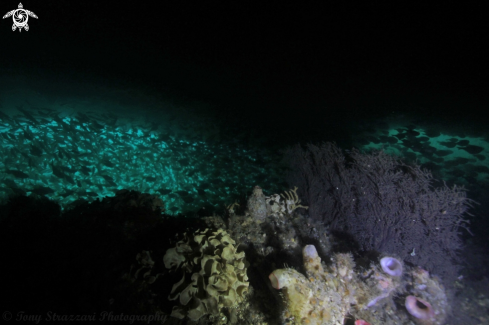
(213,274)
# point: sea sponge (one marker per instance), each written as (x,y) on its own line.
(298,292)
(282,278)
(391,266)
(214,274)
(426,302)
(380,286)
(419,308)
(324,296)
(257,205)
(431,299)
(312,261)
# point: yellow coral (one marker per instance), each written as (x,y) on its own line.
(217,281)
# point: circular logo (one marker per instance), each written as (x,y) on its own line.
(20,18)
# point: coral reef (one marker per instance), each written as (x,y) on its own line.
(283,228)
(214,274)
(427,299)
(328,294)
(379,295)
(155,264)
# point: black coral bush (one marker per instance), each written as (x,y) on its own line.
(386,205)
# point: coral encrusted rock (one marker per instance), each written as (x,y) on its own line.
(257,205)
(324,296)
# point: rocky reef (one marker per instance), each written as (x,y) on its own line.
(323,297)
(227,274)
(334,293)
(262,261)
